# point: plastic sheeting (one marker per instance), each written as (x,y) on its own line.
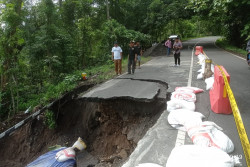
(48,160)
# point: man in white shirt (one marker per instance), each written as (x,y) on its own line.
(117,58)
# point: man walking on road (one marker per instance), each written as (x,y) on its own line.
(117,58)
(131,57)
(168,44)
(139,53)
(177,51)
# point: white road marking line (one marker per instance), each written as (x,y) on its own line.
(181,135)
(180,139)
(191,69)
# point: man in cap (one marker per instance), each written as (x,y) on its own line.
(117,58)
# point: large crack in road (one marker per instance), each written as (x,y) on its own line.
(122,118)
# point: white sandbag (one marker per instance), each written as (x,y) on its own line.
(212,68)
(189,89)
(66,154)
(200,76)
(181,95)
(210,135)
(203,65)
(201,58)
(209,83)
(198,156)
(199,71)
(180,104)
(148,165)
(182,118)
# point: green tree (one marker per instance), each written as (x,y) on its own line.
(11,42)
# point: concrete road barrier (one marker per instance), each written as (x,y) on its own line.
(218,95)
(198,50)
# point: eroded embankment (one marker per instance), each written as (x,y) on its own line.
(111,129)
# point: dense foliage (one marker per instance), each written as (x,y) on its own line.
(45,44)
(230,18)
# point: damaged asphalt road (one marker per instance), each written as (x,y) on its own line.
(123,121)
(149,83)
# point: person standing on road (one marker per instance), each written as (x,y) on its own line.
(168,44)
(248,46)
(131,57)
(117,58)
(177,51)
(248,52)
(139,53)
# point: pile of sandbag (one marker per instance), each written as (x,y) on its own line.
(211,145)
(209,81)
(182,108)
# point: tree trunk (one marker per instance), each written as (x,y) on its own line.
(60,3)
(107,4)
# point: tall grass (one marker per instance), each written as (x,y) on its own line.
(223,43)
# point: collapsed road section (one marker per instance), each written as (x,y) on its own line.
(111,118)
(127,109)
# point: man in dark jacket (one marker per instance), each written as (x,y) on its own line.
(131,57)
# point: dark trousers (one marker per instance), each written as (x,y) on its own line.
(177,58)
(131,62)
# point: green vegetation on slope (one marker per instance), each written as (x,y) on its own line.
(225,44)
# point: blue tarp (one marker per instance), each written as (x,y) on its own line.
(48,160)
